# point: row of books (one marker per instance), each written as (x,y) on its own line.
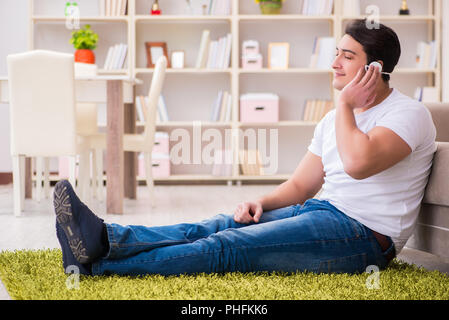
(161,114)
(113,7)
(323,53)
(427,94)
(221,109)
(315,109)
(251,162)
(116,57)
(317,7)
(426,56)
(214,54)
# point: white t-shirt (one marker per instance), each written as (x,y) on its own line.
(387,202)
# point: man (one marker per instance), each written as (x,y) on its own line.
(371,156)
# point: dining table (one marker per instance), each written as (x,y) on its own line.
(118,93)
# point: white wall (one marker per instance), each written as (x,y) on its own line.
(14,38)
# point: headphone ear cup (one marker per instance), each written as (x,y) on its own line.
(376,64)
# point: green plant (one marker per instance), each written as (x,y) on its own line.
(84,38)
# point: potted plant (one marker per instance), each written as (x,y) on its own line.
(84,40)
(270,6)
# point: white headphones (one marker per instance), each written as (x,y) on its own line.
(375,64)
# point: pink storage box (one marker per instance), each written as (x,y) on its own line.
(259,107)
(250,47)
(161,143)
(253,61)
(160,166)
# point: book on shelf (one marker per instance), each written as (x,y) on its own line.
(351,7)
(162,109)
(116,57)
(214,54)
(219,7)
(316,109)
(426,56)
(251,163)
(221,109)
(427,94)
(317,7)
(323,52)
(141,105)
(223,159)
(201,60)
(113,8)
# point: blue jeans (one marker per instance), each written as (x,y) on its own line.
(314,237)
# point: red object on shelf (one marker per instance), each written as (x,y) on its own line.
(155,9)
(84,55)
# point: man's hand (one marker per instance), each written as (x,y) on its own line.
(248,212)
(361,91)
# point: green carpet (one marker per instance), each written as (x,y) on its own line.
(38,275)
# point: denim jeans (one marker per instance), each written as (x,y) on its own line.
(314,237)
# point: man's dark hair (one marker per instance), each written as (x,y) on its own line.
(380,43)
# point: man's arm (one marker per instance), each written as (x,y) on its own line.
(305,182)
(364,155)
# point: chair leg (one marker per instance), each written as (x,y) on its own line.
(72,170)
(94,174)
(17,185)
(47,177)
(99,171)
(22,163)
(83,176)
(39,169)
(149,177)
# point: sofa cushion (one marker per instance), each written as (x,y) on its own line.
(437,190)
(440,116)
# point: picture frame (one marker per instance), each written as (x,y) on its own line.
(278,55)
(154,50)
(177,59)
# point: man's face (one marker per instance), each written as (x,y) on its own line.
(349,58)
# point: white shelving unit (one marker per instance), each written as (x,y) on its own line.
(189,93)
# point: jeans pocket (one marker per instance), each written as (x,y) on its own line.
(349,264)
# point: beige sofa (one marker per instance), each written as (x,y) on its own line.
(432,230)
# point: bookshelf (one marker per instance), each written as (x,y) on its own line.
(189,92)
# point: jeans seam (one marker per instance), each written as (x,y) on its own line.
(329,261)
(228,249)
(354,227)
(111,234)
(127,245)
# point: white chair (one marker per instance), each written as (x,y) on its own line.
(86,125)
(138,142)
(42,114)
